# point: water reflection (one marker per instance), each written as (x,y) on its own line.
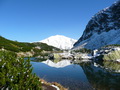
(70,76)
(110,66)
(78,75)
(100,78)
(57,63)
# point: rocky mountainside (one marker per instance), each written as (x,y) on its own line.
(103,29)
(59,41)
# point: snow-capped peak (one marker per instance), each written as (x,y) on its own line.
(60,41)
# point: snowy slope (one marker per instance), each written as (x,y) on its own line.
(103,29)
(99,40)
(60,41)
(60,64)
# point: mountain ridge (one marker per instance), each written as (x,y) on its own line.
(103,29)
(16,46)
(59,41)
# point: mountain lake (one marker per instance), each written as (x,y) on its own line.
(78,75)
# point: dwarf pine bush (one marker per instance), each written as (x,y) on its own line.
(16,73)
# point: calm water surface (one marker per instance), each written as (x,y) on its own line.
(82,76)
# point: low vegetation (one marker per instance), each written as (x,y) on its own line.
(16,73)
(114,55)
(83,50)
(113,45)
(46,47)
(14,45)
(19,47)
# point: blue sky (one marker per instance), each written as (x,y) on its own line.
(34,20)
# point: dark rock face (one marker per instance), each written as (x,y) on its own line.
(104,21)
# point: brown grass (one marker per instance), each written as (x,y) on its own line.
(48,84)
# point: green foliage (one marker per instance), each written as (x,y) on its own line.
(114,55)
(25,47)
(46,47)
(83,50)
(37,52)
(112,45)
(14,45)
(16,73)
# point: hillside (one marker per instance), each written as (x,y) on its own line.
(60,41)
(22,46)
(103,29)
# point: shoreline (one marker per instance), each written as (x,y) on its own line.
(51,85)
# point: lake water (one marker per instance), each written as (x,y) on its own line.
(83,76)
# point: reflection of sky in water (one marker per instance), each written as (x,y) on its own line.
(78,77)
(70,76)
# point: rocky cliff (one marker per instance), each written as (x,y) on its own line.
(103,29)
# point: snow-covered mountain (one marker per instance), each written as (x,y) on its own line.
(60,64)
(60,41)
(103,29)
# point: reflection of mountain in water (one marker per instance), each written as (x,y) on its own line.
(111,66)
(59,64)
(100,79)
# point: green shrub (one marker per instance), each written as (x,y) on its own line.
(83,50)
(114,55)
(16,73)
(24,47)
